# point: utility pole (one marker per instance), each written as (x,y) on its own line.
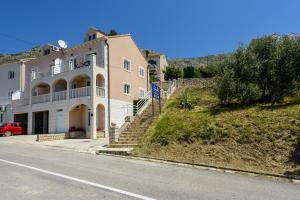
(152,104)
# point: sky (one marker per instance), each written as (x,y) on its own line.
(178,28)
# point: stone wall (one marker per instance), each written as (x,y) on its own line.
(50,137)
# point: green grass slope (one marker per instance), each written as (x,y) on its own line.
(260,137)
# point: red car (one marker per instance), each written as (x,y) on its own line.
(12,128)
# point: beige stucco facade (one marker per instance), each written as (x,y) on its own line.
(119,75)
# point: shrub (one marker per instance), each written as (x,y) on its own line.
(225,87)
(184,101)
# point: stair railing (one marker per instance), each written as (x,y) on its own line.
(142,104)
(171,89)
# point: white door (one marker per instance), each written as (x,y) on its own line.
(59,122)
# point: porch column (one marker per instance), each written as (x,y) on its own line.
(93,103)
(68,90)
(29,123)
(93,60)
(93,134)
(51,93)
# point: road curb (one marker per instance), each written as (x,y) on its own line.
(290,178)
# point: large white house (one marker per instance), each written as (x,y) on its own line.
(84,88)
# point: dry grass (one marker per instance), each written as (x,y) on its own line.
(257,137)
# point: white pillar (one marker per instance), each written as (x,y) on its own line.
(29,123)
(93,132)
(93,60)
(68,90)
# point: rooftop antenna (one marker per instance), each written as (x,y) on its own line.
(62,44)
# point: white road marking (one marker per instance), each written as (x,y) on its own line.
(79,180)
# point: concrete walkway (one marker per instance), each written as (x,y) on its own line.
(77,145)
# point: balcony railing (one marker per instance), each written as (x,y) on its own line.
(64,67)
(40,98)
(58,96)
(80,92)
(20,102)
(100,91)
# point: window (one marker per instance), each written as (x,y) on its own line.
(94,36)
(72,63)
(126,89)
(1,117)
(142,93)
(90,37)
(33,73)
(126,64)
(11,75)
(47,51)
(10,92)
(142,72)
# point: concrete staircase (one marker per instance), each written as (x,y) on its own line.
(136,130)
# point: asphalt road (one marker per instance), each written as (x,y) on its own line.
(31,172)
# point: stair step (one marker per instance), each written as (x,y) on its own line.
(122,145)
(137,129)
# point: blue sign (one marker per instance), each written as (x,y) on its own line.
(155,91)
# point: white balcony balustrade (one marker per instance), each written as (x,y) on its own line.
(80,92)
(60,66)
(58,96)
(40,99)
(100,91)
(20,102)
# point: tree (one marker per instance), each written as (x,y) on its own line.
(172,72)
(267,70)
(189,72)
(113,32)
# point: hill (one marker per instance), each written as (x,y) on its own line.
(258,138)
(200,61)
(8,58)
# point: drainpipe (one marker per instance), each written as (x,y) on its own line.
(108,86)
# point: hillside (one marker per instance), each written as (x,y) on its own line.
(8,58)
(260,137)
(198,62)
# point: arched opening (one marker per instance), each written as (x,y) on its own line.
(79,121)
(59,90)
(80,86)
(100,123)
(41,93)
(100,85)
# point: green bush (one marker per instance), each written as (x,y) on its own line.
(225,87)
(184,101)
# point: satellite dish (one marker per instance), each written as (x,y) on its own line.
(62,44)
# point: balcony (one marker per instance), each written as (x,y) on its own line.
(59,66)
(80,92)
(59,96)
(40,99)
(20,102)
